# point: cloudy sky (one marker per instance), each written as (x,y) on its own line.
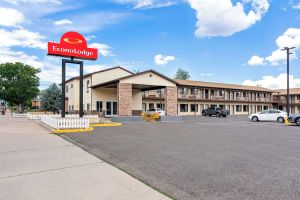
(231,41)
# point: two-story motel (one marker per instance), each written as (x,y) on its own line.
(117,91)
(280,100)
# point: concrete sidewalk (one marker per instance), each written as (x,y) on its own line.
(38,165)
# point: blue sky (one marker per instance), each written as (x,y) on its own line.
(231,41)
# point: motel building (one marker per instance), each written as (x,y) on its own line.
(280,100)
(119,92)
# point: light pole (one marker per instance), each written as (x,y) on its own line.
(287,49)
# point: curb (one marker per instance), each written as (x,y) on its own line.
(79,130)
(106,125)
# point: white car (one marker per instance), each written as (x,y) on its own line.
(269,115)
(159,111)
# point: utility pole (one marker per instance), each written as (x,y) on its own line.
(287,49)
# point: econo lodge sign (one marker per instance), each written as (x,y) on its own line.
(74,45)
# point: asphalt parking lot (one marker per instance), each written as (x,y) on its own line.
(204,157)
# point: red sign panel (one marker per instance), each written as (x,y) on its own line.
(72,44)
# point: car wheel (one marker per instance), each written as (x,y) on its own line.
(254,119)
(280,119)
(218,115)
(209,115)
(203,114)
(298,121)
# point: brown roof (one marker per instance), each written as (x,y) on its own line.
(89,74)
(221,85)
(293,91)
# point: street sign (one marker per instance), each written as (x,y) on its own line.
(74,45)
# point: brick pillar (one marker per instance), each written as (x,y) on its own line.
(171,100)
(124,99)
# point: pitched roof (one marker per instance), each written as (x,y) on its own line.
(293,91)
(103,70)
(132,75)
(221,85)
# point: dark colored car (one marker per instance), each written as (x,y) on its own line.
(295,119)
(217,111)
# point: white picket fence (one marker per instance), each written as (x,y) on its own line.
(19,115)
(65,123)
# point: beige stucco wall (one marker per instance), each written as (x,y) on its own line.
(136,99)
(73,94)
(148,79)
(109,75)
(104,94)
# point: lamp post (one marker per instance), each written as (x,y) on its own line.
(287,49)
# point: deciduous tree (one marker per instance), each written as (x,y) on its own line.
(20,82)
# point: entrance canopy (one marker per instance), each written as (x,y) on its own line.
(129,91)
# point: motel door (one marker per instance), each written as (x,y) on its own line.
(111,108)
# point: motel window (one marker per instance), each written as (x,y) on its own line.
(238,108)
(245,108)
(213,106)
(265,95)
(237,94)
(87,84)
(183,90)
(244,94)
(194,107)
(72,107)
(298,97)
(88,106)
(212,92)
(67,89)
(194,91)
(184,108)
(161,106)
(151,106)
(221,93)
(99,106)
(266,107)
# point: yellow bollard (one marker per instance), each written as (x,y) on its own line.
(286,121)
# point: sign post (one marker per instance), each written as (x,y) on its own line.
(73,45)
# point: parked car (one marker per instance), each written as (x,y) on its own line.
(217,111)
(269,115)
(159,111)
(295,119)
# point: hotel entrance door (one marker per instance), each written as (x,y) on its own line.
(111,108)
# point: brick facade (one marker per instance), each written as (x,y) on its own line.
(171,100)
(124,99)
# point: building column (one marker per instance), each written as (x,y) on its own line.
(171,100)
(124,92)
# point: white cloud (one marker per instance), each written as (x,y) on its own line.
(62,22)
(290,38)
(223,18)
(274,82)
(256,60)
(103,49)
(7,55)
(10,17)
(163,60)
(147,4)
(22,38)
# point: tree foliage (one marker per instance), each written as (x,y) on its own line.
(181,74)
(51,98)
(21,83)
